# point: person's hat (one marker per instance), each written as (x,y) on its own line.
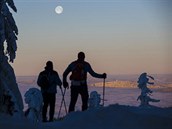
(49,65)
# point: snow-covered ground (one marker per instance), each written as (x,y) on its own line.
(126,115)
(111,117)
(122,96)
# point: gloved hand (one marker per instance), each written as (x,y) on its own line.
(65,84)
(104,75)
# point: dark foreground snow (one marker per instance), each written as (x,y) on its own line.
(111,117)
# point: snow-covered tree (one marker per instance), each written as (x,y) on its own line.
(10,97)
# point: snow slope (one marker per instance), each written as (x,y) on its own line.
(111,117)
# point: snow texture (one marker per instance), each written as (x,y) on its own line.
(9,87)
(33,97)
(111,117)
(10,97)
(145,91)
(8,30)
(94,100)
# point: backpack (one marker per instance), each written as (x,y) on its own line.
(78,73)
(43,81)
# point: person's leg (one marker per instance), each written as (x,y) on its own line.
(52,106)
(84,97)
(45,106)
(74,97)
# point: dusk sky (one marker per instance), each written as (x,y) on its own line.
(117,36)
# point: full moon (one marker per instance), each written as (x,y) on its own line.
(59,9)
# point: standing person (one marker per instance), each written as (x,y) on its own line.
(48,81)
(79,69)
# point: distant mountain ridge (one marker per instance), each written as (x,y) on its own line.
(124,84)
(121,81)
(130,81)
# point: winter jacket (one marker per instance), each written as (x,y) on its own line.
(87,68)
(53,81)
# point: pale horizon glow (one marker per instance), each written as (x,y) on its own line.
(119,37)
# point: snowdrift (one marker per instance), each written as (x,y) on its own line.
(111,117)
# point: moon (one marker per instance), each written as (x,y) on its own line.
(59,9)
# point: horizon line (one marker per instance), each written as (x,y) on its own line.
(107,74)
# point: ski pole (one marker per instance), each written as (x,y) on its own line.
(103,91)
(63,100)
(60,105)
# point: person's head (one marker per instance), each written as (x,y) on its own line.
(81,56)
(49,66)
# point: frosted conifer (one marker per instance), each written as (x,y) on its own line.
(8,29)
(10,97)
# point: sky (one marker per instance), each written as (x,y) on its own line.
(117,36)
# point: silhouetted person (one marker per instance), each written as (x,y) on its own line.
(48,81)
(79,69)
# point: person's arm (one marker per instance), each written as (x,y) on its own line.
(65,74)
(94,74)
